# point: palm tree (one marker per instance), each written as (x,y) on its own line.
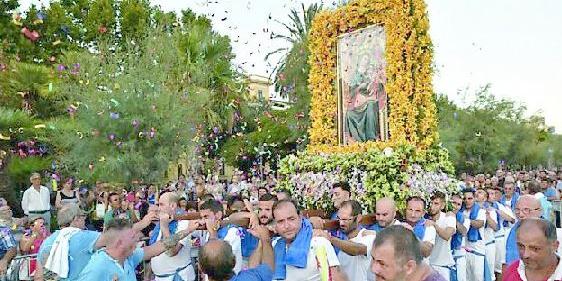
(298,29)
(28,83)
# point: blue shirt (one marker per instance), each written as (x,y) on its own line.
(7,240)
(80,250)
(550,192)
(260,273)
(104,267)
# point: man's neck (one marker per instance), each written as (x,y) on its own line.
(412,224)
(545,272)
(37,187)
(420,273)
(391,223)
(436,216)
(353,233)
(114,254)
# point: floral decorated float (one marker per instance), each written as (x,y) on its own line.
(404,161)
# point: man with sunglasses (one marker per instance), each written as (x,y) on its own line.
(120,209)
(354,243)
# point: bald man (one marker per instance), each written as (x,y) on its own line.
(176,263)
(216,260)
(527,207)
(385,213)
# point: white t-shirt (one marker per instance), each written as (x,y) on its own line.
(489,233)
(480,244)
(508,203)
(358,267)
(311,271)
(429,235)
(509,212)
(441,254)
(164,264)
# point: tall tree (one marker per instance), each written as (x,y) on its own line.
(130,120)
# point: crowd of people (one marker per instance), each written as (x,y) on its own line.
(497,227)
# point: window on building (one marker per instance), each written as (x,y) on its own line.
(260,94)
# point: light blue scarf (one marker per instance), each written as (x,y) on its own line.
(419,229)
(297,253)
(173,226)
(456,241)
(473,234)
(511,250)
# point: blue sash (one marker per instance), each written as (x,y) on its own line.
(473,234)
(456,240)
(340,235)
(223,231)
(511,250)
(513,200)
(297,253)
(249,243)
(374,227)
(173,226)
(419,229)
(487,270)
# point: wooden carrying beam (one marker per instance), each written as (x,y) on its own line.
(243,222)
(335,224)
(368,219)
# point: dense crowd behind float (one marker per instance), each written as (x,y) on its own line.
(496,227)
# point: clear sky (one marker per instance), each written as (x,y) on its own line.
(515,45)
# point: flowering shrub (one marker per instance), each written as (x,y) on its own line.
(374,174)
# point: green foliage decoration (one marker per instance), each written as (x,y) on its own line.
(372,175)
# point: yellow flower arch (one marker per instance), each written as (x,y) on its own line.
(409,53)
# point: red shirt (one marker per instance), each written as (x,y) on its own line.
(511,273)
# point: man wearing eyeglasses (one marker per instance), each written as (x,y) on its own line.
(527,207)
(354,243)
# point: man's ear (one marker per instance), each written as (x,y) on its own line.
(410,267)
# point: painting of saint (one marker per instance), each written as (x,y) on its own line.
(362,100)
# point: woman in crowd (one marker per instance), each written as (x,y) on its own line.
(67,194)
(32,240)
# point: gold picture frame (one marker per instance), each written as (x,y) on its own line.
(362,48)
(408,54)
